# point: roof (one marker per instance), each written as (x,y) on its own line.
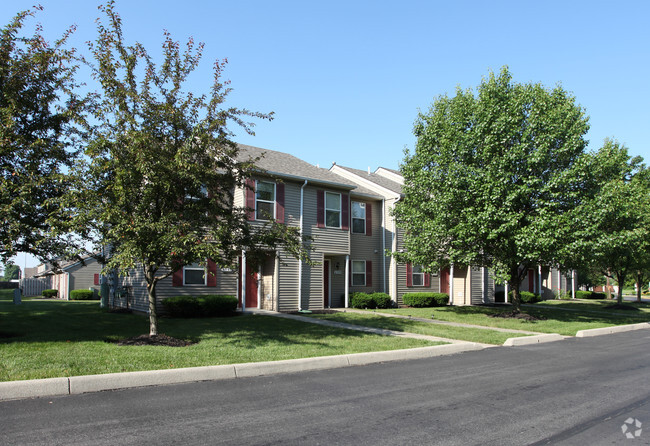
(375,178)
(284,165)
(64,266)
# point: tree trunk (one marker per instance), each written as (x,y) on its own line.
(151,294)
(639,278)
(515,282)
(619,295)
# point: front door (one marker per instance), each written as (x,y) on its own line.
(251,286)
(326,283)
(444,281)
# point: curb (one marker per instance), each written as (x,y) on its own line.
(530,340)
(613,329)
(75,385)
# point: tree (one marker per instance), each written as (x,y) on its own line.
(158,187)
(613,232)
(12,272)
(493,178)
(38,110)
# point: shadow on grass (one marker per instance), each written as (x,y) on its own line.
(61,321)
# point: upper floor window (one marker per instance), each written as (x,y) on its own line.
(332,210)
(265,200)
(194,274)
(358,217)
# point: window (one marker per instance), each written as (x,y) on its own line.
(194,274)
(265,200)
(358,217)
(332,210)
(359,273)
(418,276)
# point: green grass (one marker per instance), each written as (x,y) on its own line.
(56,338)
(600,306)
(425,328)
(556,321)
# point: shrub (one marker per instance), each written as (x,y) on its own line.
(595,295)
(421,300)
(527,297)
(182,306)
(382,300)
(81,294)
(362,300)
(584,294)
(217,305)
(50,293)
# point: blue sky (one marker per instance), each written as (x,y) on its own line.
(347,78)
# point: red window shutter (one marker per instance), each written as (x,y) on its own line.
(368,273)
(96,279)
(320,208)
(409,274)
(368,219)
(212,273)
(250,198)
(279,202)
(345,212)
(177,277)
(427,280)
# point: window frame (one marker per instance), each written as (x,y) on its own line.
(273,202)
(191,267)
(339,210)
(353,218)
(353,273)
(419,274)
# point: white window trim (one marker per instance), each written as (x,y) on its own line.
(352,218)
(205,275)
(339,210)
(358,274)
(266,201)
(413,274)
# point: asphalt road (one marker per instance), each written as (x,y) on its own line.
(573,392)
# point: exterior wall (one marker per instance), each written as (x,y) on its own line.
(477,287)
(368,248)
(82,277)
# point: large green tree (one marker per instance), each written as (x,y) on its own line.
(38,110)
(613,227)
(12,271)
(162,170)
(493,178)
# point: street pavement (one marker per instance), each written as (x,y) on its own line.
(592,390)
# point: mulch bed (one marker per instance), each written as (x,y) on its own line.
(621,307)
(517,315)
(160,339)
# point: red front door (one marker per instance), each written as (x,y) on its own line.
(251,287)
(326,283)
(444,281)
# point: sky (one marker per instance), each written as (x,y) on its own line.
(346,79)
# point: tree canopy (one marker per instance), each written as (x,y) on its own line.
(38,109)
(161,171)
(12,272)
(493,178)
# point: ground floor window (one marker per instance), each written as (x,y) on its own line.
(359,273)
(194,274)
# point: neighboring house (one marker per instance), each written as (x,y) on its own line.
(74,275)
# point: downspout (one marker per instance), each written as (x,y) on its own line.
(539,269)
(302,206)
(243,281)
(451,284)
(394,289)
(383,240)
(67,276)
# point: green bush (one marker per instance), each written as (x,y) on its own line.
(50,293)
(584,294)
(217,305)
(527,297)
(421,300)
(362,300)
(200,306)
(81,295)
(182,306)
(595,295)
(382,300)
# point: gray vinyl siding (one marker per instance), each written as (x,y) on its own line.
(368,248)
(476,287)
(288,284)
(82,277)
(489,287)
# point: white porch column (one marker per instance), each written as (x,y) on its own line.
(573,284)
(539,272)
(451,284)
(483,280)
(347,280)
(243,281)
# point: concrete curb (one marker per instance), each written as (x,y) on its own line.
(610,330)
(11,390)
(530,340)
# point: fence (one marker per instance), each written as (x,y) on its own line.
(34,286)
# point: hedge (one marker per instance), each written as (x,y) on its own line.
(200,306)
(50,293)
(371,301)
(81,294)
(526,297)
(421,300)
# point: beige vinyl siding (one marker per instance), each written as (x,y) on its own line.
(461,286)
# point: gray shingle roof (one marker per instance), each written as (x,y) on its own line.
(375,178)
(284,165)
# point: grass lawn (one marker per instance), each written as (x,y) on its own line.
(44,339)
(600,306)
(425,328)
(556,321)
